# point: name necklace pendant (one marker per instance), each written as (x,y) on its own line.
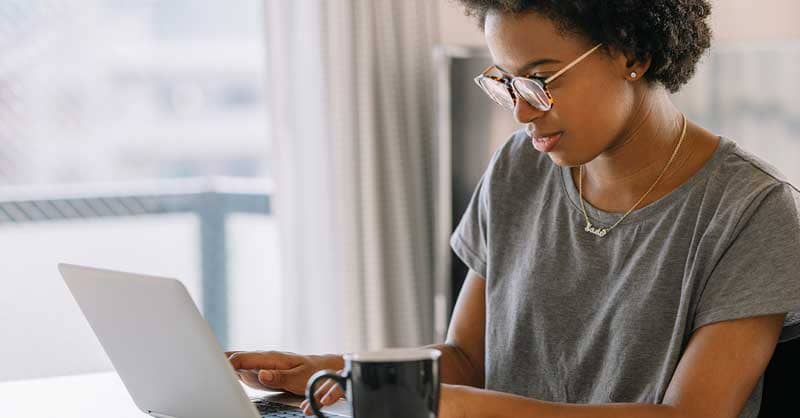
(601,231)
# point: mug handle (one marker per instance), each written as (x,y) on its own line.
(312,382)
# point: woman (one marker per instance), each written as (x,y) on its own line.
(624,261)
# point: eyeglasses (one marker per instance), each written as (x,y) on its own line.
(534,90)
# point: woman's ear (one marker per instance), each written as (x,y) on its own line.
(635,68)
(630,67)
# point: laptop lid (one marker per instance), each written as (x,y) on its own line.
(160,345)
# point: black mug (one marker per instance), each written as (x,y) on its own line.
(386,384)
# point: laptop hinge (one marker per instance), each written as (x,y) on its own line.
(159,415)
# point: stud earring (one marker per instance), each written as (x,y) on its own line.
(633,74)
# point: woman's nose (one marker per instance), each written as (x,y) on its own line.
(524,112)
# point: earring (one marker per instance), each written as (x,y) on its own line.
(633,74)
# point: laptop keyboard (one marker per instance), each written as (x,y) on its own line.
(277,410)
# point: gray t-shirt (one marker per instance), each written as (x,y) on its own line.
(572,317)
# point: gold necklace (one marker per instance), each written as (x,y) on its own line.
(601,232)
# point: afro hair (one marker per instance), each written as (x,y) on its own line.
(673,34)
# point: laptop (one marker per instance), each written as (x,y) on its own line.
(164,351)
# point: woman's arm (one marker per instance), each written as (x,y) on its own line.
(462,352)
(715,376)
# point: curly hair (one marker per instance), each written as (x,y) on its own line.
(674,34)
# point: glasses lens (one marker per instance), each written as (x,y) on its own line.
(498,91)
(533,92)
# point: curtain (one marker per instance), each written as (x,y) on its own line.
(351,119)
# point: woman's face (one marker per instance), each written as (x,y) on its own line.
(593,101)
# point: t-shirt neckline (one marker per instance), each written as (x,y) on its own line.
(606,219)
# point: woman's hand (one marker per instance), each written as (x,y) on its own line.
(326,394)
(273,370)
(451,399)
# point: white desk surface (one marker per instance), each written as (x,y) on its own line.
(96,395)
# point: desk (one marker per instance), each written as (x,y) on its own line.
(96,395)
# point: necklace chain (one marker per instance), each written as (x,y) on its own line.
(602,232)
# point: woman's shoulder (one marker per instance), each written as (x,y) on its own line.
(742,161)
(741,181)
(741,170)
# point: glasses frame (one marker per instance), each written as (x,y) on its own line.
(542,82)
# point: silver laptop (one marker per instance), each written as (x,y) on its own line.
(162,348)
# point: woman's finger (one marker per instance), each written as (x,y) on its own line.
(307,409)
(251,380)
(332,395)
(323,389)
(228,354)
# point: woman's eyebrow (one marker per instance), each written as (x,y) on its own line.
(529,66)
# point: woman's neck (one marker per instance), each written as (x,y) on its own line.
(618,177)
(643,147)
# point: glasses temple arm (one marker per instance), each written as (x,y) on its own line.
(572,64)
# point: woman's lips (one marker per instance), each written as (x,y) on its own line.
(546,143)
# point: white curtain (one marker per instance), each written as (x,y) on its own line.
(350,111)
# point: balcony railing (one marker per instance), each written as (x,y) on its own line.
(210,199)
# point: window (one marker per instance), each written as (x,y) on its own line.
(113,116)
(749,93)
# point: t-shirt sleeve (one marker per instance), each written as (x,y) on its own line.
(759,273)
(470,239)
